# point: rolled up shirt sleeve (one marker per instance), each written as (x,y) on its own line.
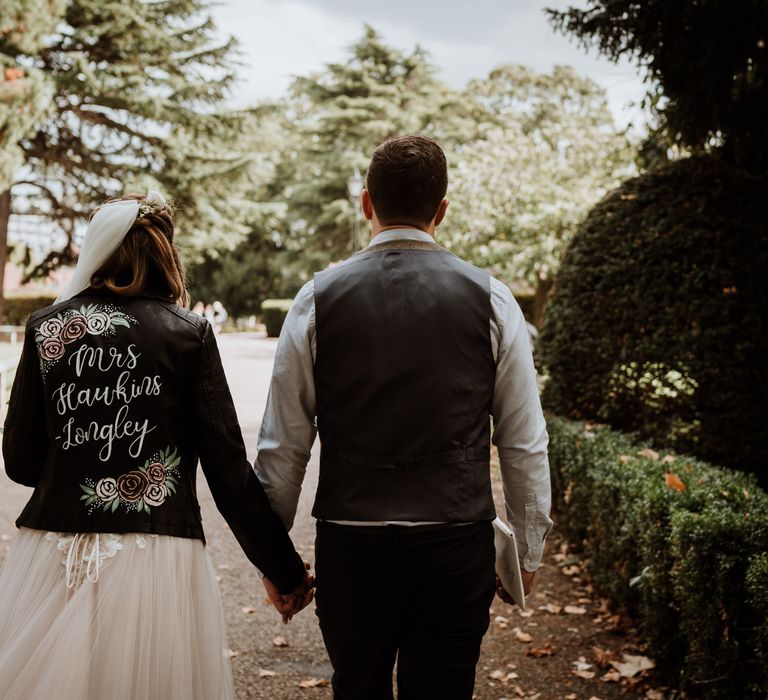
(520,431)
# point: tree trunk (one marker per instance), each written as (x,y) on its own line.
(5,215)
(544,285)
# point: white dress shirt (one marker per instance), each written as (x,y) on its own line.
(288,430)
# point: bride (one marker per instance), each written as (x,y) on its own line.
(108,591)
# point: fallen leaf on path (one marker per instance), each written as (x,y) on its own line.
(603,656)
(265,673)
(280,642)
(525,613)
(654,694)
(571,570)
(519,691)
(538,652)
(248,611)
(501,621)
(674,482)
(604,606)
(582,664)
(571,696)
(649,453)
(521,636)
(612,676)
(632,665)
(314,683)
(497,675)
(586,675)
(231,653)
(594,697)
(551,608)
(575,610)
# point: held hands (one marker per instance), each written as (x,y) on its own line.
(527,576)
(292,603)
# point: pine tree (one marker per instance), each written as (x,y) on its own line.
(342,114)
(137,95)
(25,92)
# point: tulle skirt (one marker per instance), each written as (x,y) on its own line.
(124,617)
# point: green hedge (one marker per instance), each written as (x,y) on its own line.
(18,307)
(690,565)
(273,313)
(657,324)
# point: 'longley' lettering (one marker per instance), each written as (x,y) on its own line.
(121,427)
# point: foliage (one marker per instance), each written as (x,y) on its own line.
(539,149)
(706,60)
(678,542)
(273,313)
(25,92)
(137,91)
(341,114)
(546,149)
(242,278)
(658,319)
(19,307)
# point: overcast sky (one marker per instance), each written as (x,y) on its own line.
(466,39)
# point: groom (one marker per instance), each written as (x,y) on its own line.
(399,357)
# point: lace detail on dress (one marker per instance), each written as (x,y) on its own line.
(87,552)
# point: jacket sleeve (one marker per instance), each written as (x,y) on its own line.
(238,494)
(25,442)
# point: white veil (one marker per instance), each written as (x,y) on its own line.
(103,237)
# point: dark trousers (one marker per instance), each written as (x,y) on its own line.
(416,596)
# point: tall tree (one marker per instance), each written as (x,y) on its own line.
(706,62)
(137,94)
(25,93)
(342,113)
(545,150)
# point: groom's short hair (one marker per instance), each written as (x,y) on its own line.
(407,179)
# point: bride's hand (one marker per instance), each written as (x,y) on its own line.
(290,604)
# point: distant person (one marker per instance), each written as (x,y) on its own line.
(199,308)
(220,316)
(402,354)
(108,590)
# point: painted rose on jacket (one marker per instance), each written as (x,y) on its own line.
(54,334)
(137,490)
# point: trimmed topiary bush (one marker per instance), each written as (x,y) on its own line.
(273,313)
(658,323)
(681,544)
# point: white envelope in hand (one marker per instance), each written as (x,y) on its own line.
(507,561)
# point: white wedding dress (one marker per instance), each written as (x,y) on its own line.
(111,617)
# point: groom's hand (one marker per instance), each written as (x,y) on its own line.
(527,577)
(290,604)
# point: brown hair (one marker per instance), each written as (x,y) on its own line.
(407,179)
(147,261)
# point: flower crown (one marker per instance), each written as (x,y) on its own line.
(154,203)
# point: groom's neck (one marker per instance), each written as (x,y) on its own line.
(376,229)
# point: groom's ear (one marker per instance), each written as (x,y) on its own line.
(367,205)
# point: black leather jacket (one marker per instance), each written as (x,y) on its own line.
(113,403)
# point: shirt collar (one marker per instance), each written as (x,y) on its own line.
(401,234)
